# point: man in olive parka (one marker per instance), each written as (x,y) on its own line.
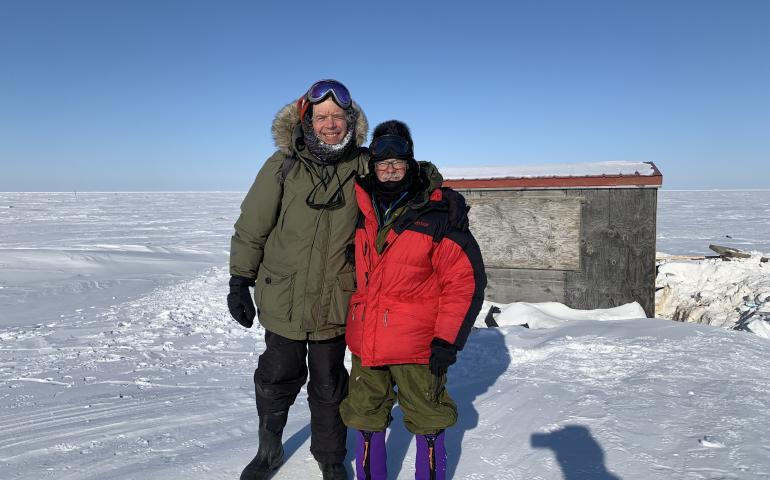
(290,244)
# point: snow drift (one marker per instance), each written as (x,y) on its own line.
(730,294)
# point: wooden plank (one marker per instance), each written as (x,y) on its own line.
(581,286)
(607,256)
(513,193)
(523,231)
(508,285)
(633,215)
(619,250)
(667,258)
(632,219)
(729,252)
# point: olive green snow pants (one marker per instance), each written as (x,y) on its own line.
(371,396)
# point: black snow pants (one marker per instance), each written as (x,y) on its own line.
(282,371)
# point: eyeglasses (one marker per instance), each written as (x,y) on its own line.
(323,89)
(384,164)
(391,146)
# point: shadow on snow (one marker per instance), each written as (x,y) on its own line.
(579,455)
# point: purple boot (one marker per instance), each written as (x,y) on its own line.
(371,457)
(431,457)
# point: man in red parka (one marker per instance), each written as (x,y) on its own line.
(420,286)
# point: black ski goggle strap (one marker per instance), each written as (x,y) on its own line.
(390,146)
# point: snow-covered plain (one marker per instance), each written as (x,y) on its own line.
(688,221)
(118,359)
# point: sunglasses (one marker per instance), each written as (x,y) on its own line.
(390,146)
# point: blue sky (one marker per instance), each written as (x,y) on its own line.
(180,95)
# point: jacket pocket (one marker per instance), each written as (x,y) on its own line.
(354,330)
(405,330)
(356,309)
(343,289)
(274,293)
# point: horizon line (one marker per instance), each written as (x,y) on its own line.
(244,191)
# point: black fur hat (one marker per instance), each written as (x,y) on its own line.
(394,127)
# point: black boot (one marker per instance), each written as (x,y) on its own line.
(333,471)
(269,457)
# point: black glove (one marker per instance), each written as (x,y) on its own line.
(458,210)
(239,300)
(442,355)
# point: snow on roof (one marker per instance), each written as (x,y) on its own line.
(551,170)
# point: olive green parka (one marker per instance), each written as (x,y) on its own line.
(296,253)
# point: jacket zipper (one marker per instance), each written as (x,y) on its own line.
(325,260)
(386,317)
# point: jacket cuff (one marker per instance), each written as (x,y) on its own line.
(441,343)
(238,281)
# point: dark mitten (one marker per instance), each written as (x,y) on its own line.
(458,209)
(239,300)
(442,355)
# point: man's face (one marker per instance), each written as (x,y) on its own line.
(391,170)
(329,122)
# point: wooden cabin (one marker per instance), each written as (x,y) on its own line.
(579,234)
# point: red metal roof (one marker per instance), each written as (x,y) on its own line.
(619,180)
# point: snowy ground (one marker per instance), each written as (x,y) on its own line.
(118,360)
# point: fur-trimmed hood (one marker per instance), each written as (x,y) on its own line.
(288,118)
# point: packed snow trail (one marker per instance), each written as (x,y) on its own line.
(160,387)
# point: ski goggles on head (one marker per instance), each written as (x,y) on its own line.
(390,146)
(323,89)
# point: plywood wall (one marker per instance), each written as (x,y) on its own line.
(587,248)
(528,232)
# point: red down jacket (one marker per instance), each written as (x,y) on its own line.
(428,282)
